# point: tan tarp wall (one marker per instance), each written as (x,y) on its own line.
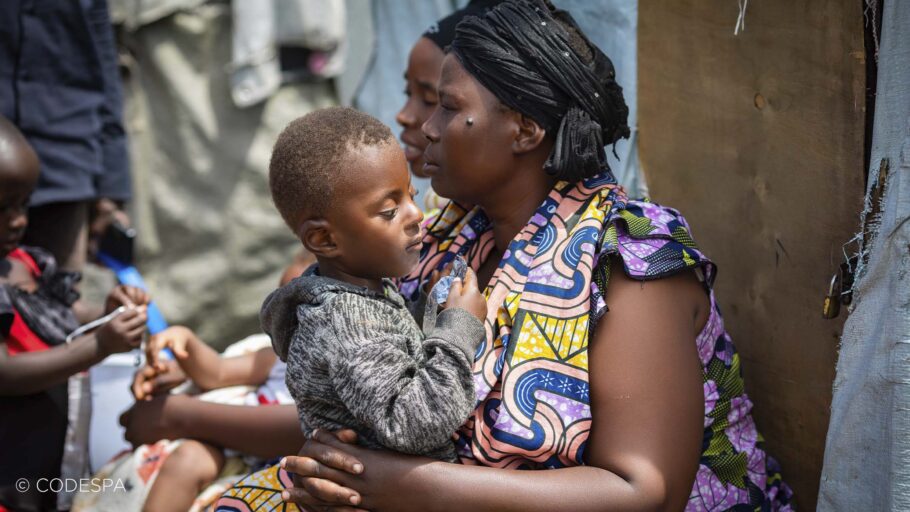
(758,140)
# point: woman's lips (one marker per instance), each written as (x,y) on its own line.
(412,153)
(430,168)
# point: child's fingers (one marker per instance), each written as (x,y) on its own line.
(137,319)
(135,336)
(121,295)
(137,295)
(457,287)
(140,385)
(470,279)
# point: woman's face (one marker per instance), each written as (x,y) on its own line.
(421,77)
(471,136)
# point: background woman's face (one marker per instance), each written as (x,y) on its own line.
(421,77)
(467,160)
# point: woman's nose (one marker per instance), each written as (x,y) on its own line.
(405,116)
(429,129)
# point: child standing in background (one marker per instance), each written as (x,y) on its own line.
(36,316)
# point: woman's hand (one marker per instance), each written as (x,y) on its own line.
(330,473)
(176,338)
(151,380)
(161,417)
(123,295)
(319,470)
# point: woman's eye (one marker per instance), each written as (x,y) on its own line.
(389,214)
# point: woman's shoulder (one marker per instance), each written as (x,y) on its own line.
(653,241)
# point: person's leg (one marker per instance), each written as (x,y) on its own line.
(184,474)
(62,229)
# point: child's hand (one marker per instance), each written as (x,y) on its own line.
(150,381)
(436,275)
(123,295)
(176,338)
(466,295)
(124,332)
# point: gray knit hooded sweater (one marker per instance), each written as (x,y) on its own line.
(357,359)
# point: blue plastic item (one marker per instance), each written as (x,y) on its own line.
(129,275)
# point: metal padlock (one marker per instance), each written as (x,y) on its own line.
(833,299)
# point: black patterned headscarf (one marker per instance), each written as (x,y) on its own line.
(443,31)
(522,51)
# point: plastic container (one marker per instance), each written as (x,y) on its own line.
(111,396)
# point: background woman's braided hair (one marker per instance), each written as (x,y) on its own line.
(535,59)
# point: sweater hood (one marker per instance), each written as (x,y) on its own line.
(298,301)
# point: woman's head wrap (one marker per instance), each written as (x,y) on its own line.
(523,53)
(443,31)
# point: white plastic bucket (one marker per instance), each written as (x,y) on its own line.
(111,395)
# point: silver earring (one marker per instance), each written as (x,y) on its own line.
(470,121)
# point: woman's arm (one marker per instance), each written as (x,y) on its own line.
(643,450)
(265,431)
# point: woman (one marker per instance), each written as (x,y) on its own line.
(421,77)
(651,414)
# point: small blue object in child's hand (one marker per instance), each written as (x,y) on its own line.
(440,290)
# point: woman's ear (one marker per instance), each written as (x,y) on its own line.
(316,235)
(530,134)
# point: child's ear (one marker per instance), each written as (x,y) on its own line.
(530,134)
(316,235)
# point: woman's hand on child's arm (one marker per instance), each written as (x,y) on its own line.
(123,295)
(467,296)
(150,381)
(318,470)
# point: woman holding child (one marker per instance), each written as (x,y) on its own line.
(605,358)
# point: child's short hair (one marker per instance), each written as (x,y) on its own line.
(309,157)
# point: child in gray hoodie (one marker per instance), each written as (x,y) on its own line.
(356,357)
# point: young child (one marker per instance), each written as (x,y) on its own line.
(356,357)
(35,318)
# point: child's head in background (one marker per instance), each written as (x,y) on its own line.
(340,181)
(18,177)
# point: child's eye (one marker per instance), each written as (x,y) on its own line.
(389,214)
(414,192)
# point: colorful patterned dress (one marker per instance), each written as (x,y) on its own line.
(531,374)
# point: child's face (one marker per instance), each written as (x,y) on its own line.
(375,222)
(18,176)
